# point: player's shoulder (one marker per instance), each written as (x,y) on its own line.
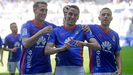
(27,24)
(8,36)
(93,25)
(58,28)
(19,35)
(114,32)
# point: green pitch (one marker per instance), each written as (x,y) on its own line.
(126,53)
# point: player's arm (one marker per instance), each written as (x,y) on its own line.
(27,42)
(119,62)
(92,43)
(50,49)
(9,49)
(1,56)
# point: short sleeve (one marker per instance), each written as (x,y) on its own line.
(25,31)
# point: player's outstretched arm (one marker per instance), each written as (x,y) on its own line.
(50,49)
(92,44)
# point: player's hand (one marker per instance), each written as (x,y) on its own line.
(14,49)
(46,30)
(119,72)
(85,28)
(79,43)
(67,44)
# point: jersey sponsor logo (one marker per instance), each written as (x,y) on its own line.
(98,61)
(41,42)
(72,43)
(17,45)
(24,32)
(77,32)
(29,58)
(106,46)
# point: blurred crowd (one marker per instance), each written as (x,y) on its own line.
(21,10)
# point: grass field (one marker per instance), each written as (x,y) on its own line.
(126,53)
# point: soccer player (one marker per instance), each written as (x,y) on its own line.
(68,41)
(1,52)
(107,60)
(12,44)
(34,37)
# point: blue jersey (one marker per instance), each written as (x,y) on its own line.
(74,55)
(104,60)
(13,42)
(1,42)
(33,59)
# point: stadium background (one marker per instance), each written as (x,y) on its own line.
(20,11)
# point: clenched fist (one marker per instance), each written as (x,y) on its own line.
(46,30)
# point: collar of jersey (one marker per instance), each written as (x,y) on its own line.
(37,24)
(70,28)
(106,31)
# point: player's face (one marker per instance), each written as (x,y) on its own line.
(14,28)
(105,17)
(41,12)
(71,16)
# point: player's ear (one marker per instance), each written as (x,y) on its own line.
(34,9)
(111,18)
(78,17)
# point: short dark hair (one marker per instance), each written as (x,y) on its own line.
(12,23)
(36,4)
(105,8)
(74,6)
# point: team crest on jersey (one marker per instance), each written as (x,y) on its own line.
(24,31)
(113,38)
(106,46)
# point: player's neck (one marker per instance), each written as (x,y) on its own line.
(14,33)
(69,27)
(38,22)
(105,27)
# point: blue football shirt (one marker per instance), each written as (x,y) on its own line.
(1,42)
(33,59)
(74,55)
(13,42)
(103,60)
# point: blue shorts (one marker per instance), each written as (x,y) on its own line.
(69,70)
